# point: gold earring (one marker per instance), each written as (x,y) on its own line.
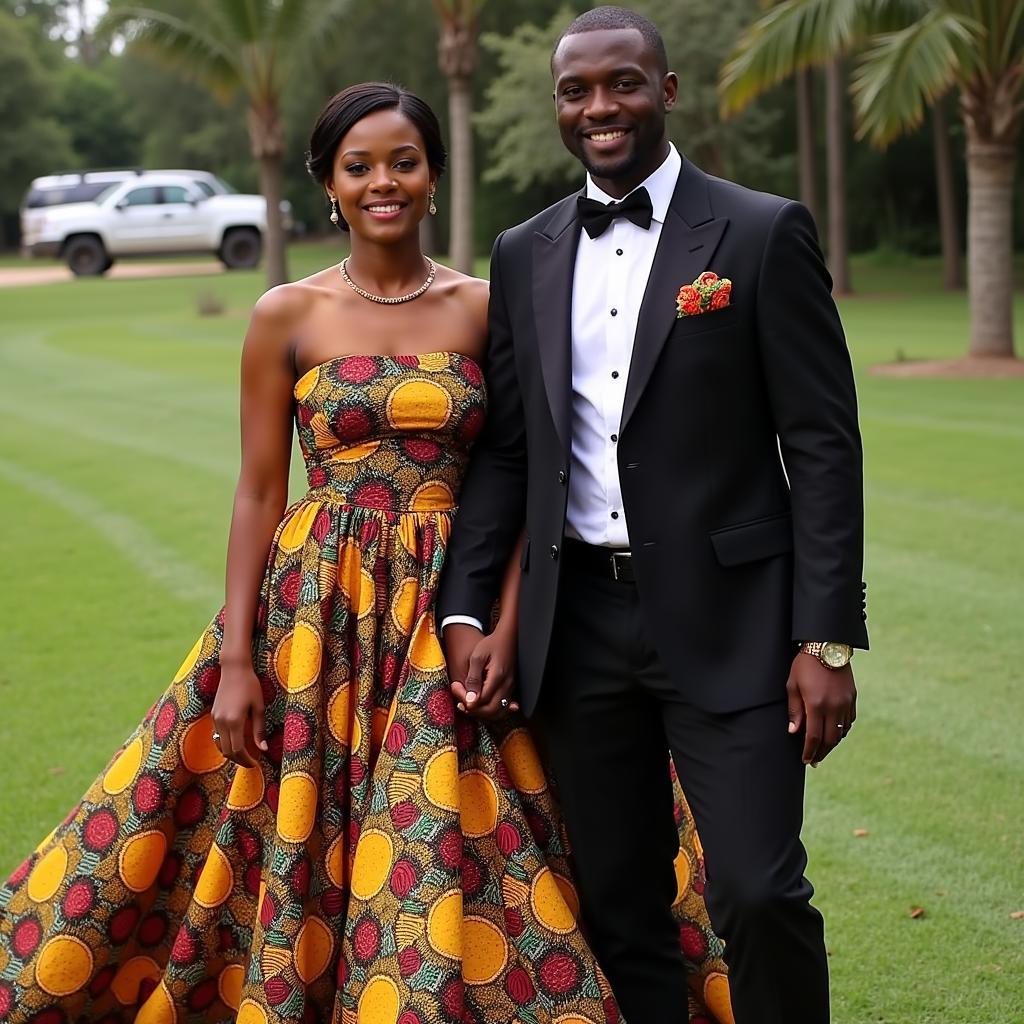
(334,210)
(433,205)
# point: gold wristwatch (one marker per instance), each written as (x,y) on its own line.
(832,654)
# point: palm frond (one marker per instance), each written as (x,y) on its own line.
(904,72)
(184,43)
(795,34)
(304,26)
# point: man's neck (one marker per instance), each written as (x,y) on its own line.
(619,188)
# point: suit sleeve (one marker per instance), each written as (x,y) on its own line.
(492,504)
(811,389)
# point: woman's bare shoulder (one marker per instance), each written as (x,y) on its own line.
(290,303)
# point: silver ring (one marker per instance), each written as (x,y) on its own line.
(504,703)
(216,736)
(840,726)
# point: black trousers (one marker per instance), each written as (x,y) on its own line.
(607,720)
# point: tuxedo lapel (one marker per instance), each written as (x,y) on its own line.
(689,238)
(554,262)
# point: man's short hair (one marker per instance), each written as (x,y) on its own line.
(609,17)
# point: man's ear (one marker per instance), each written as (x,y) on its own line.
(670,89)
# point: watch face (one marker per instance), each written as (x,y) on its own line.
(836,655)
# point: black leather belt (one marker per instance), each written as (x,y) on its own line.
(611,563)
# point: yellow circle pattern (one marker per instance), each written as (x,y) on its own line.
(372,865)
(47,875)
(130,976)
(484,951)
(313,949)
(63,966)
(441,779)
(298,657)
(379,1003)
(246,788)
(549,904)
(229,985)
(478,804)
(216,880)
(444,925)
(121,773)
(140,859)
(296,809)
(523,763)
(198,750)
(419,405)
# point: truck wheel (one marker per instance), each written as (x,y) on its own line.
(86,256)
(241,249)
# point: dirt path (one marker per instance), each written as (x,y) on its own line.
(19,277)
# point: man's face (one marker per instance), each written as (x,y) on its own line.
(611,98)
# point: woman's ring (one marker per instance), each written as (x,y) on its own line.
(504,703)
(216,736)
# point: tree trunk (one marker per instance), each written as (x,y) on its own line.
(835,129)
(276,252)
(949,215)
(990,170)
(806,140)
(457,56)
(460,119)
(266,133)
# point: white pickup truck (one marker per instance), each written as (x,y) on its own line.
(150,214)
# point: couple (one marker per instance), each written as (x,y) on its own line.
(327,818)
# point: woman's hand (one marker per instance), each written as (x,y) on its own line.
(239,724)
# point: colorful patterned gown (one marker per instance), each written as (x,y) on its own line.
(388,861)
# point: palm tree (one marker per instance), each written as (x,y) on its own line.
(916,51)
(458,55)
(237,48)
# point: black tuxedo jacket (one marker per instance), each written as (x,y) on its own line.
(739,452)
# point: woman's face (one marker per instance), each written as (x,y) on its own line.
(381,177)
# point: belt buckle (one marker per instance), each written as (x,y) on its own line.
(615,556)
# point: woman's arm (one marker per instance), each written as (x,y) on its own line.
(260,498)
(492,666)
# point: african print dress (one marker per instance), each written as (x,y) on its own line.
(388,861)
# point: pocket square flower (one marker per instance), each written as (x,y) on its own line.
(707,293)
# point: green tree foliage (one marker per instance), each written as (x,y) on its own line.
(34,139)
(518,116)
(246,50)
(97,113)
(914,52)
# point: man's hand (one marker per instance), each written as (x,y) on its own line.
(823,701)
(481,670)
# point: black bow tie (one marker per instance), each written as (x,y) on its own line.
(597,217)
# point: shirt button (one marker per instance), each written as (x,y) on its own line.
(615,312)
(615,374)
(615,438)
(618,252)
(615,515)
(554,552)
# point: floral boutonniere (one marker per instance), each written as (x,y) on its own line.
(708,292)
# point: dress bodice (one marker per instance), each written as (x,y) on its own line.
(390,432)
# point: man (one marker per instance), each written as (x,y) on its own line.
(684,451)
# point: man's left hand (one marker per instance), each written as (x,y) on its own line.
(824,702)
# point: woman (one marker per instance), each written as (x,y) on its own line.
(302,829)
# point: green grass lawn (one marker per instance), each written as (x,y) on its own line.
(118,453)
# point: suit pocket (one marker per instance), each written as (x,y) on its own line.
(524,558)
(712,320)
(753,540)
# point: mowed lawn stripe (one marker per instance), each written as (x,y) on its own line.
(126,537)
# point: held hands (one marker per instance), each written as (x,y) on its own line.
(482,669)
(824,702)
(240,730)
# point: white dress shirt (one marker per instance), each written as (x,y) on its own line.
(608,287)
